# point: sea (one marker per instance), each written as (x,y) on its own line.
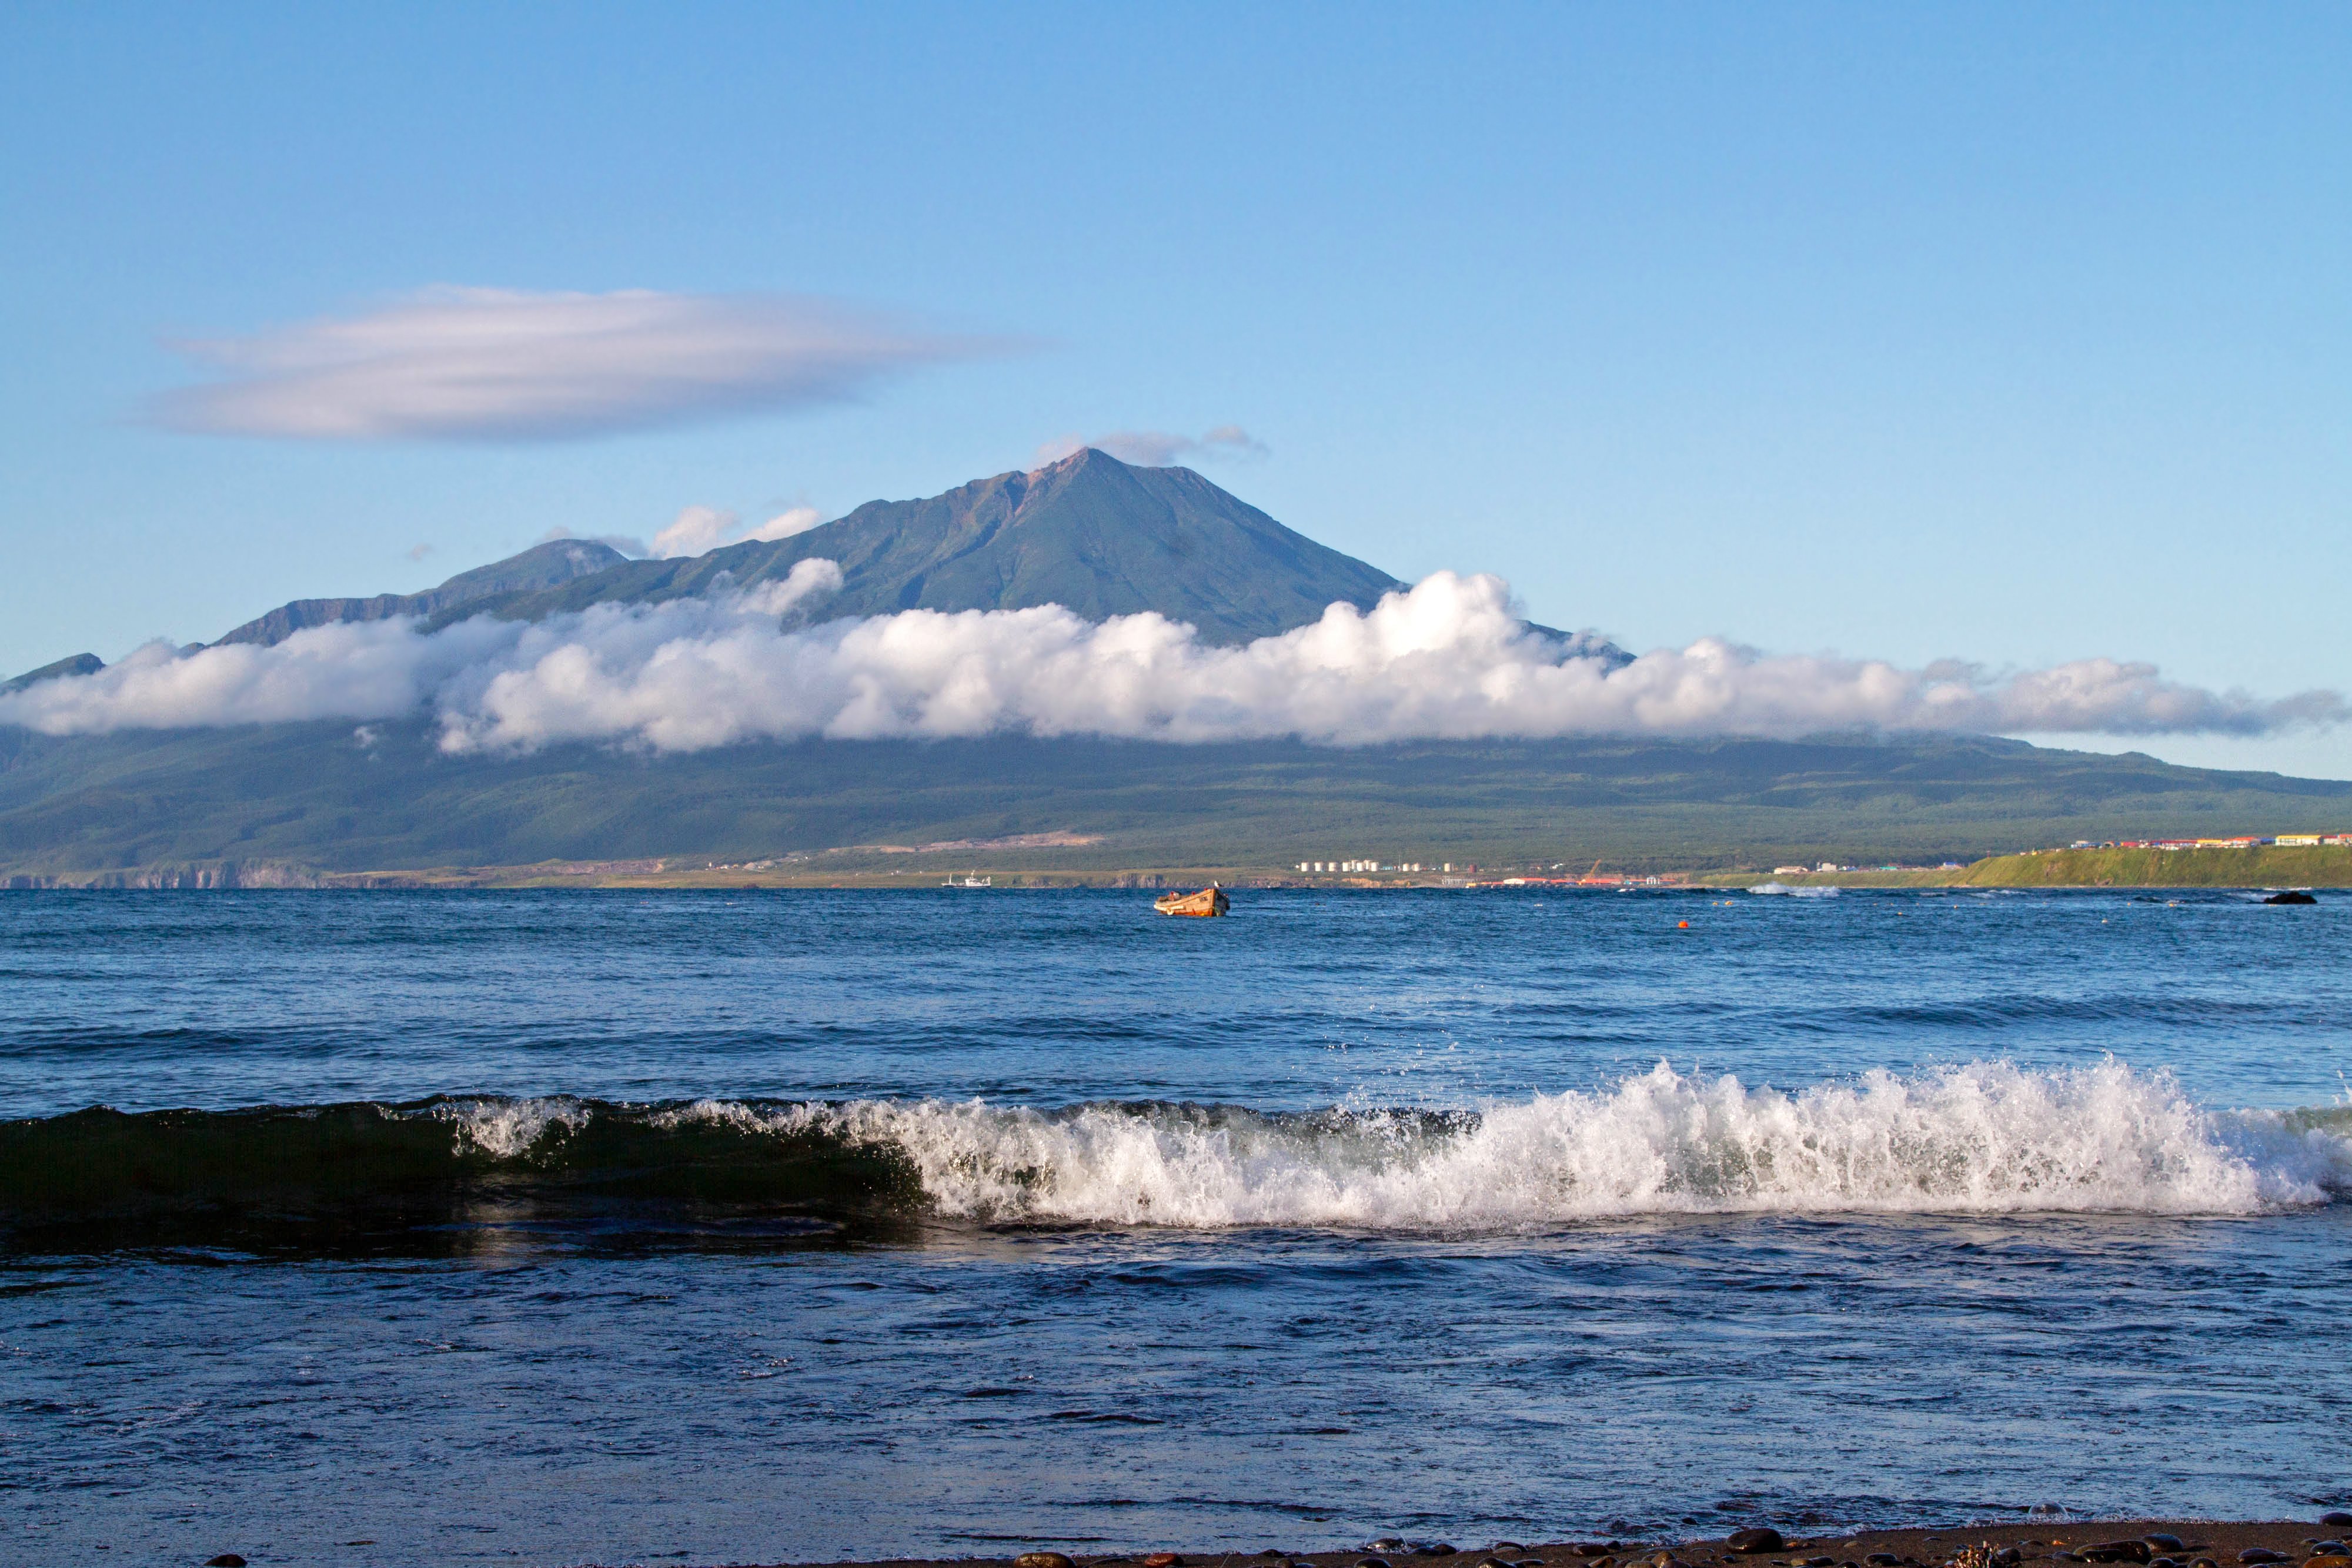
(720,1226)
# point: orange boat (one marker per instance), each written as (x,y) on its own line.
(1210,900)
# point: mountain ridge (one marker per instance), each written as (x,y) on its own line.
(1097,535)
(1090,533)
(543,565)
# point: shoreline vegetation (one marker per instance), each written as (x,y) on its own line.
(2052,1538)
(1033,867)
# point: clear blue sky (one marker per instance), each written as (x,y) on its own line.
(2018,334)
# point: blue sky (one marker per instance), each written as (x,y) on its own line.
(2013,334)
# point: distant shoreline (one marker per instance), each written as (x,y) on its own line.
(2325,866)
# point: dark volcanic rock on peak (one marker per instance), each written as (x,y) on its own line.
(540,566)
(1090,532)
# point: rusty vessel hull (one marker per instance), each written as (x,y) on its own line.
(1209,901)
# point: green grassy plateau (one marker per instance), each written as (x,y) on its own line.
(2329,865)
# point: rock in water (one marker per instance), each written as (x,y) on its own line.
(1163,1560)
(2290,897)
(226,1560)
(1757,1538)
(1042,1560)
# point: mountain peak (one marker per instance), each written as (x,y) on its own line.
(1069,462)
(1097,536)
(1087,531)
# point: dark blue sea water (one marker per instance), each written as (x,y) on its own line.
(561,1227)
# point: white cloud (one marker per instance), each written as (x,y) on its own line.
(496,364)
(1157,448)
(786,524)
(693,530)
(1444,660)
(697,530)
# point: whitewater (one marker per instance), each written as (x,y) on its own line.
(1980,1138)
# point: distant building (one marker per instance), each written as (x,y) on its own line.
(1793,871)
(2299,841)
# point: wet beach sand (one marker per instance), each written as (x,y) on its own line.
(2150,1542)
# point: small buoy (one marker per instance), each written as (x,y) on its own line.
(1683,926)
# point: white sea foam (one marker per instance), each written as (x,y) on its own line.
(1985,1137)
(507,1129)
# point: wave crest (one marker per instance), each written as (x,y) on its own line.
(1980,1138)
(1985,1137)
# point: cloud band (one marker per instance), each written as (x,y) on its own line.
(1445,660)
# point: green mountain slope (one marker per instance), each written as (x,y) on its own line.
(78,664)
(1090,532)
(540,566)
(325,796)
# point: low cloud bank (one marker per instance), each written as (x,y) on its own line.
(500,364)
(1445,660)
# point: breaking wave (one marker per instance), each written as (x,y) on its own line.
(1980,1138)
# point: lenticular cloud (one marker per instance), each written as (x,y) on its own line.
(501,364)
(1444,660)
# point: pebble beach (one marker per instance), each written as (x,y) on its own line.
(2147,1543)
